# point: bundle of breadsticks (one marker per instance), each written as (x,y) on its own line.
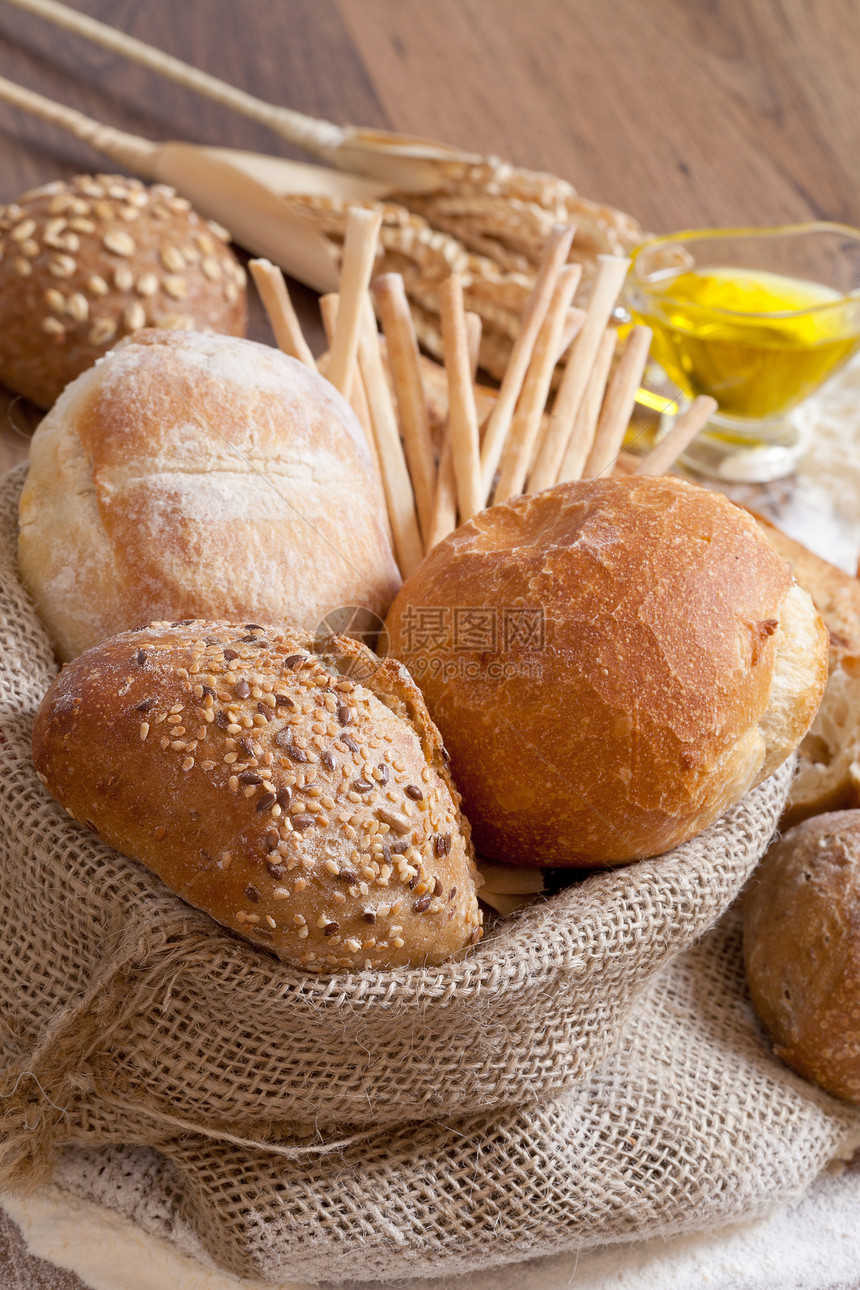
(528,440)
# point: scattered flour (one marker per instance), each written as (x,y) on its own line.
(827,485)
(813,1245)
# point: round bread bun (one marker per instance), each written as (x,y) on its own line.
(802,949)
(292,787)
(611,663)
(84,263)
(190,475)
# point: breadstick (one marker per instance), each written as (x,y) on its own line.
(527,419)
(573,322)
(587,452)
(359,253)
(357,395)
(462,417)
(395,474)
(621,390)
(474,328)
(445,498)
(572,326)
(405,369)
(279,307)
(664,454)
(625,463)
(555,254)
(610,275)
(444,518)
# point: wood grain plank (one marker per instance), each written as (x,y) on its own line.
(299,54)
(682,114)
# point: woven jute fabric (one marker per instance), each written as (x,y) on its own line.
(128,1017)
(691,1124)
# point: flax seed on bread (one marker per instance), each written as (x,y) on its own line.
(292,787)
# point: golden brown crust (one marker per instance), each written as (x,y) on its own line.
(802,950)
(294,788)
(636,721)
(199,476)
(836,594)
(84,263)
(828,777)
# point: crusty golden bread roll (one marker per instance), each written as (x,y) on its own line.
(194,475)
(802,949)
(828,775)
(611,663)
(292,787)
(84,263)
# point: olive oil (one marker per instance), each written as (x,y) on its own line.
(756,341)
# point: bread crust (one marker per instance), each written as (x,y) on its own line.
(292,787)
(85,263)
(644,711)
(802,950)
(828,777)
(194,475)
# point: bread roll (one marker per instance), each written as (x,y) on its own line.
(802,950)
(84,263)
(192,475)
(292,787)
(612,664)
(828,775)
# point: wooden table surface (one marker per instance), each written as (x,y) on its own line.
(684,114)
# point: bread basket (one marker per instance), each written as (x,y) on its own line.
(120,993)
(131,1018)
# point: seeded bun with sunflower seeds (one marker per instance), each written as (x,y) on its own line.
(85,263)
(292,787)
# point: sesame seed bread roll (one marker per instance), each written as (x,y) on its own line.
(85,263)
(612,663)
(292,787)
(190,475)
(802,949)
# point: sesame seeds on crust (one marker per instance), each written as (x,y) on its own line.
(335,854)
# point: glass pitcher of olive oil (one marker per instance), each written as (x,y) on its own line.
(758,319)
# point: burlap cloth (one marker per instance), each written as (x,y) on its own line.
(388,1124)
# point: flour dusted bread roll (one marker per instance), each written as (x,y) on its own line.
(612,664)
(85,263)
(802,949)
(194,475)
(292,787)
